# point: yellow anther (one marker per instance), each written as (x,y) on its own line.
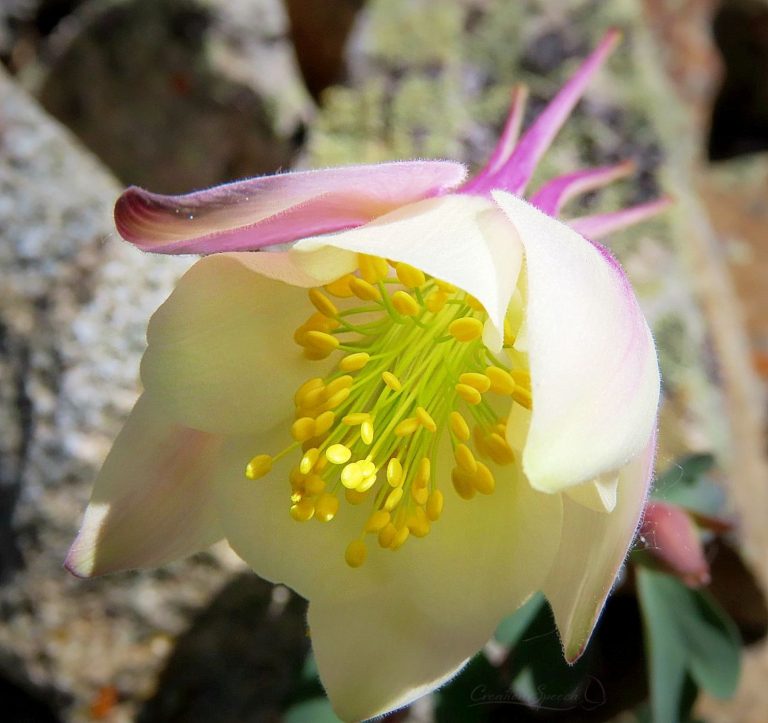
(324,422)
(363,290)
(321,464)
(355,553)
(296,477)
(308,460)
(499,450)
(523,397)
(326,507)
(479,381)
(406,427)
(308,386)
(260,465)
(377,521)
(394,472)
(354,362)
(422,473)
(462,483)
(393,499)
(464,458)
(340,287)
(391,381)
(387,535)
(320,342)
(338,454)
(405,304)
(314,484)
(400,537)
(469,394)
(367,467)
(354,497)
(473,303)
(501,380)
(367,482)
(410,276)
(436,301)
(355,419)
(418,523)
(372,268)
(322,303)
(419,494)
(337,399)
(521,377)
(466,329)
(445,286)
(459,426)
(483,480)
(314,397)
(337,384)
(434,505)
(425,419)
(303,429)
(366,431)
(351,476)
(303,510)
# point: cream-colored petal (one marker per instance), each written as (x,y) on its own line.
(412,616)
(221,355)
(153,500)
(592,549)
(598,495)
(464,240)
(594,372)
(377,653)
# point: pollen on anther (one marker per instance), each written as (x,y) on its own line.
(326,507)
(356,553)
(391,381)
(459,426)
(322,303)
(407,427)
(338,454)
(465,459)
(260,465)
(466,329)
(410,276)
(394,472)
(469,394)
(425,418)
(354,362)
(366,431)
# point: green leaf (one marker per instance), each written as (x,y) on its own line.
(686,634)
(317,710)
(511,629)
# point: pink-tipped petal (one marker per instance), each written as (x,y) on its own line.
(152,500)
(594,371)
(671,535)
(515,174)
(592,549)
(554,194)
(258,212)
(506,144)
(601,225)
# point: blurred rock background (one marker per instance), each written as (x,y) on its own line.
(179,94)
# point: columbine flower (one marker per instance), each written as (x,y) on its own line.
(412,365)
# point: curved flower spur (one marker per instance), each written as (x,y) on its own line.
(422,401)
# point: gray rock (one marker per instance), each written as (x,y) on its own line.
(178,94)
(75,302)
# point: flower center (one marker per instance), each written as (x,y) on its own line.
(414,367)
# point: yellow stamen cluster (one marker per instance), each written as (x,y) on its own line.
(413,367)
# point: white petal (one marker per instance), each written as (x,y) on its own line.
(592,549)
(221,356)
(593,365)
(464,240)
(153,499)
(598,495)
(397,626)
